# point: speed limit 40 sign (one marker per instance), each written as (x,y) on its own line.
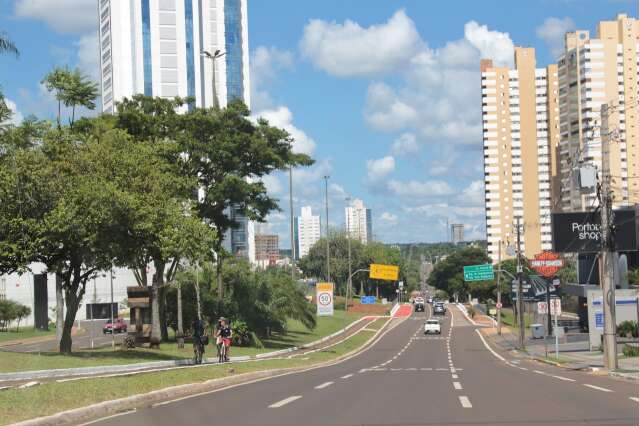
(324,297)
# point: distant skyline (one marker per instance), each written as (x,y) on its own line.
(384,97)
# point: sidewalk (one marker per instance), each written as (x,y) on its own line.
(569,356)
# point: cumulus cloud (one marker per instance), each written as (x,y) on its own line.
(347,49)
(473,194)
(273,184)
(16,117)
(552,31)
(64,16)
(379,168)
(88,50)
(389,218)
(419,189)
(491,44)
(266,65)
(282,117)
(405,144)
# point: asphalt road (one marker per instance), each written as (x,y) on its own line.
(79,342)
(407,378)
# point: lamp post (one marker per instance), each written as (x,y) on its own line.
(290,200)
(213,57)
(112,324)
(349,284)
(328,249)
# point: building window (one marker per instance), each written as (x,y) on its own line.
(234,60)
(190,57)
(146,47)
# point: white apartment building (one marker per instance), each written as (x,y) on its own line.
(155,47)
(520,136)
(594,71)
(307,231)
(359,223)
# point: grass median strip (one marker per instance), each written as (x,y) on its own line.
(49,398)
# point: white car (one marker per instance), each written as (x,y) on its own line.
(432,326)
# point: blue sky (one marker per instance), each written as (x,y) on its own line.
(383,93)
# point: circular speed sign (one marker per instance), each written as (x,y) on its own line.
(325,299)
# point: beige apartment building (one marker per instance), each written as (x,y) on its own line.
(521,138)
(594,71)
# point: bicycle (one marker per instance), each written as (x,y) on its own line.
(222,357)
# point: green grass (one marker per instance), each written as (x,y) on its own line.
(508,318)
(377,324)
(49,398)
(24,333)
(296,335)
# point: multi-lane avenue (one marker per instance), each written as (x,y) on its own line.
(406,378)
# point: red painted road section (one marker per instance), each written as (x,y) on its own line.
(403,311)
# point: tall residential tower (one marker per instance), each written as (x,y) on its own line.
(359,224)
(307,231)
(520,134)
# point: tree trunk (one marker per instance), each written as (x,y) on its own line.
(59,308)
(59,114)
(163,326)
(72,305)
(72,114)
(180,326)
(220,284)
(156,333)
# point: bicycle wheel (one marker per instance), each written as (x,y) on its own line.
(222,356)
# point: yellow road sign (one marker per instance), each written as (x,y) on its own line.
(384,272)
(324,287)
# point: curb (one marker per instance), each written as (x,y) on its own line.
(121,405)
(624,376)
(125,368)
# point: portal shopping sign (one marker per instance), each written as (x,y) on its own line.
(580,232)
(479,272)
(324,296)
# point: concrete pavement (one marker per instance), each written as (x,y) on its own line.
(407,378)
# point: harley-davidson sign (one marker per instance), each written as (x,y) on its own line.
(581,232)
(547,264)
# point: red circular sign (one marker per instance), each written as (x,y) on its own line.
(547,264)
(498,305)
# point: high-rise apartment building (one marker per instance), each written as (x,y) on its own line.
(307,231)
(155,47)
(520,135)
(359,224)
(457,233)
(267,247)
(592,72)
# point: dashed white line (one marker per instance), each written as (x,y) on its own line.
(540,372)
(455,376)
(324,385)
(285,401)
(347,376)
(465,402)
(457,385)
(565,379)
(597,388)
(634,399)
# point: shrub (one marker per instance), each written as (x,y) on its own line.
(628,329)
(242,336)
(630,351)
(471,312)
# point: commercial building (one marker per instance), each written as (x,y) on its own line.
(359,224)
(520,136)
(307,231)
(267,248)
(594,71)
(155,47)
(457,233)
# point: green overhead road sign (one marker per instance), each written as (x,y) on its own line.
(479,272)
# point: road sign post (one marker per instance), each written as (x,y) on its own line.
(479,272)
(324,295)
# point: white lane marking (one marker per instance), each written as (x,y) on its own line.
(465,402)
(455,376)
(522,368)
(634,399)
(565,379)
(540,372)
(347,376)
(324,385)
(489,348)
(457,385)
(285,401)
(112,416)
(597,388)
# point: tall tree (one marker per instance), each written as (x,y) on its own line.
(6,45)
(80,91)
(57,81)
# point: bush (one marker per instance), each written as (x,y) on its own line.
(630,351)
(628,329)
(471,312)
(11,311)
(242,336)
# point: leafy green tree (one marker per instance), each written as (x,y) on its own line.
(6,45)
(448,274)
(58,81)
(72,89)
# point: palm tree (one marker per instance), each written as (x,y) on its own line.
(81,91)
(6,45)
(57,81)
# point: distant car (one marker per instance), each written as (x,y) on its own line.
(439,310)
(430,300)
(432,326)
(419,306)
(118,326)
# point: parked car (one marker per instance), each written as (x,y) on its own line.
(432,326)
(118,326)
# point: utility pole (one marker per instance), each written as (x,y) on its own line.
(328,249)
(520,292)
(607,247)
(349,284)
(290,200)
(499,289)
(112,324)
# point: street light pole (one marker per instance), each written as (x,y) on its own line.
(213,57)
(520,295)
(112,324)
(499,289)
(349,284)
(328,249)
(290,199)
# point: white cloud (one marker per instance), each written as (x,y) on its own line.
(17,117)
(552,31)
(89,56)
(389,218)
(350,50)
(266,64)
(491,44)
(273,184)
(473,194)
(64,16)
(419,189)
(380,168)
(282,117)
(406,144)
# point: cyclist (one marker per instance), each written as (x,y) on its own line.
(198,340)
(224,333)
